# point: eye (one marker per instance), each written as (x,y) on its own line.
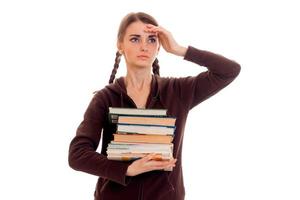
(152,40)
(134,39)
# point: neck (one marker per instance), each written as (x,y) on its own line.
(138,79)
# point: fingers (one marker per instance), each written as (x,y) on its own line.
(165,37)
(153,163)
(148,157)
(163,164)
(155,29)
(148,163)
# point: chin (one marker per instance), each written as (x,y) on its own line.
(143,64)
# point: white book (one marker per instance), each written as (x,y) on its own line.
(145,129)
(136,143)
(114,144)
(111,148)
(110,151)
(137,111)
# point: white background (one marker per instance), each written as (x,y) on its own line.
(242,143)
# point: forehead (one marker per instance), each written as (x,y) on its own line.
(137,28)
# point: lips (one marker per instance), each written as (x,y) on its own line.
(143,56)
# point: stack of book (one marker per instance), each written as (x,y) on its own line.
(140,132)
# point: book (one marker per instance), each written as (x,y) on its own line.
(161,139)
(138,111)
(131,157)
(140,148)
(115,112)
(145,129)
(135,143)
(135,156)
(132,145)
(150,120)
(131,151)
(137,151)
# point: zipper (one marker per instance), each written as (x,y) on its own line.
(131,101)
(150,104)
(140,191)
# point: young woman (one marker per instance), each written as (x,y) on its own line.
(139,41)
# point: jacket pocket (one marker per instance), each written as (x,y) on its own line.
(114,191)
(158,186)
(169,189)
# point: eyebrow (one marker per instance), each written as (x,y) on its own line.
(136,35)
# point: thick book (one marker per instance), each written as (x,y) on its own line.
(130,157)
(134,156)
(136,151)
(135,143)
(115,112)
(143,148)
(127,145)
(162,121)
(145,129)
(161,139)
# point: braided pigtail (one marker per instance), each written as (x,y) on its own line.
(155,67)
(116,66)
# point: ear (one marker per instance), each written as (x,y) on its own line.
(120,47)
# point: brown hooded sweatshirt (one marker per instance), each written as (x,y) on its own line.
(178,96)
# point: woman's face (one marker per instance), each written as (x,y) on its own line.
(139,47)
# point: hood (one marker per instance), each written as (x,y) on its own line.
(118,87)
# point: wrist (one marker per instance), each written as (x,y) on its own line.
(181,51)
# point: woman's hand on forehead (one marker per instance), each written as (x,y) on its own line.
(167,40)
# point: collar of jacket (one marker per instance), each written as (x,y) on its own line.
(119,87)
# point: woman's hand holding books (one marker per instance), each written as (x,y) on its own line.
(149,163)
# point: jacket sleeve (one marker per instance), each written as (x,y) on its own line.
(82,149)
(220,72)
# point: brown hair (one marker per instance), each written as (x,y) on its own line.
(127,20)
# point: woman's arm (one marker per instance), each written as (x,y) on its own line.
(220,72)
(194,89)
(82,150)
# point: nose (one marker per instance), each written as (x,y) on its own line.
(144,46)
